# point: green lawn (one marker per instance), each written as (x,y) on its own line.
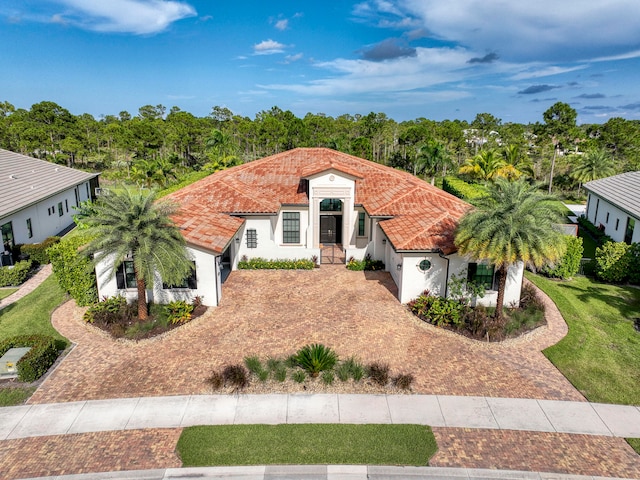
(588,244)
(32,314)
(600,354)
(635,444)
(5,292)
(306,444)
(15,396)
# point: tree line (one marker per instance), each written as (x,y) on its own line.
(159,146)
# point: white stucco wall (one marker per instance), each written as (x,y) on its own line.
(610,217)
(44,224)
(206,277)
(413,281)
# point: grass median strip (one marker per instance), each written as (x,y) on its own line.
(5,292)
(307,444)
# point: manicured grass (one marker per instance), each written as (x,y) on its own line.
(5,292)
(601,351)
(635,444)
(306,444)
(588,244)
(15,396)
(32,314)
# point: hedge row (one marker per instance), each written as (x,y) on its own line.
(462,189)
(598,235)
(259,263)
(38,360)
(73,270)
(38,251)
(618,262)
(569,264)
(15,275)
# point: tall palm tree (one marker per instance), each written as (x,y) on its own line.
(593,165)
(515,164)
(130,223)
(513,223)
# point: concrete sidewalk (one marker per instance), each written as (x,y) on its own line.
(434,410)
(324,472)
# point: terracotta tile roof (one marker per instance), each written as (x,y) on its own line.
(424,217)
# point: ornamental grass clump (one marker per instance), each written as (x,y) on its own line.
(379,373)
(235,376)
(316,358)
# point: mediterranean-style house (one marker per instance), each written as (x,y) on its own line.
(613,205)
(323,204)
(36,198)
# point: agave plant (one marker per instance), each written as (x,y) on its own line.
(316,358)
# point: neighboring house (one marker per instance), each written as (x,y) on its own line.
(613,205)
(36,198)
(317,202)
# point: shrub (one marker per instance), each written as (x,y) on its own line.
(253,364)
(634,263)
(259,263)
(462,189)
(280,373)
(403,381)
(367,264)
(316,358)
(299,376)
(598,234)
(569,264)
(16,274)
(327,377)
(179,311)
(38,251)
(38,360)
(110,311)
(343,372)
(73,270)
(436,310)
(235,376)
(529,299)
(379,373)
(215,380)
(354,369)
(612,263)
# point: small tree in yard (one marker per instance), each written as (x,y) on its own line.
(129,222)
(513,223)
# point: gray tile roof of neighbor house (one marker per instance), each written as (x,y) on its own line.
(25,180)
(622,191)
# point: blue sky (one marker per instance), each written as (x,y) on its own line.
(407,58)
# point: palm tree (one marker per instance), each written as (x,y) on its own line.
(513,223)
(130,223)
(593,165)
(515,165)
(484,166)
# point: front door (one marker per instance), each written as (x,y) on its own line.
(330,229)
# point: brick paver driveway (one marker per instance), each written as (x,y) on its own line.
(272,313)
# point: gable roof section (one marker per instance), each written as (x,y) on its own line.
(423,216)
(622,191)
(26,180)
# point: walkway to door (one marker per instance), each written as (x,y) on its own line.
(332,253)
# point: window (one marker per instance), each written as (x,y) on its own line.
(88,193)
(190,282)
(424,265)
(60,211)
(290,227)
(481,274)
(361,224)
(75,190)
(331,205)
(252,238)
(617,223)
(7,237)
(29,228)
(607,219)
(66,205)
(126,275)
(628,234)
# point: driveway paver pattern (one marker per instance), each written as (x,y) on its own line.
(89,452)
(273,313)
(535,451)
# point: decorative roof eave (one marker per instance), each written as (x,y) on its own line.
(323,169)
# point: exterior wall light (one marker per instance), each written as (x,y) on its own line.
(384,241)
(399,266)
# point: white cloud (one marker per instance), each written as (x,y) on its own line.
(139,17)
(268,47)
(545,30)
(293,58)
(546,71)
(282,24)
